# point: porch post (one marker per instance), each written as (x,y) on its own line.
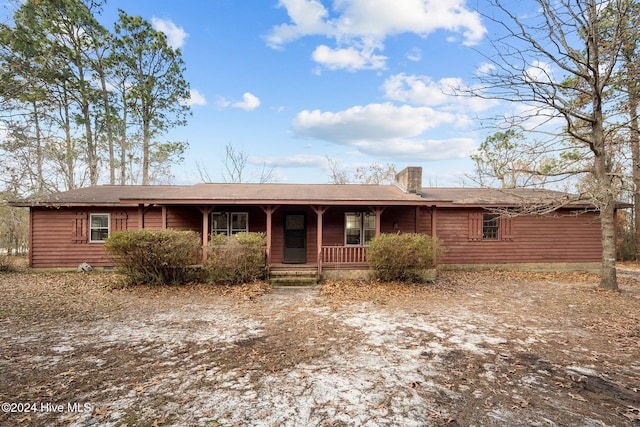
(164,217)
(434,232)
(378,211)
(269,210)
(206,210)
(319,210)
(140,216)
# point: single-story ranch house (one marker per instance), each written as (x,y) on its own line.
(325,227)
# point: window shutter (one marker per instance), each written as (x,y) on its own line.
(119,221)
(475,226)
(506,228)
(80,228)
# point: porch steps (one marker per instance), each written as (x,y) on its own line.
(293,275)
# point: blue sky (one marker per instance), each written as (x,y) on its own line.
(290,82)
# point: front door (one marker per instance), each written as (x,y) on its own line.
(295,238)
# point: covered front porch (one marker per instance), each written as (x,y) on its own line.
(321,237)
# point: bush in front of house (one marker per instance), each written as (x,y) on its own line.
(154,257)
(403,257)
(235,259)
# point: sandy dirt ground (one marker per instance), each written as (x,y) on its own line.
(472,349)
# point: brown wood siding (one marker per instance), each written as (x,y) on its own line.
(425,216)
(404,219)
(60,237)
(333,226)
(184,218)
(277,236)
(152,218)
(562,237)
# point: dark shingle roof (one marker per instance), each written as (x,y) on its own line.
(102,195)
(494,196)
(202,193)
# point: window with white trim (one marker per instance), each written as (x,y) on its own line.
(229,223)
(99,227)
(359,228)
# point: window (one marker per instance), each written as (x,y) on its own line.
(229,222)
(219,223)
(360,228)
(490,226)
(98,227)
(239,222)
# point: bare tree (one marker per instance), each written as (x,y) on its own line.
(235,168)
(375,173)
(234,162)
(558,65)
(265,173)
(337,174)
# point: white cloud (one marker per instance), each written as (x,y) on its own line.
(176,36)
(485,68)
(249,102)
(373,121)
(539,72)
(446,93)
(384,130)
(195,99)
(361,24)
(534,118)
(415,55)
(294,161)
(222,102)
(349,58)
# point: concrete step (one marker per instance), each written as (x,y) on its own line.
(293,273)
(293,277)
(293,281)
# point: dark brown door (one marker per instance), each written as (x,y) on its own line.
(295,238)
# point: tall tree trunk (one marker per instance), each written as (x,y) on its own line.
(602,161)
(68,155)
(109,126)
(146,142)
(634,142)
(608,278)
(605,191)
(92,152)
(39,151)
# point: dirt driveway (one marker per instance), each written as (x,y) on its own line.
(479,349)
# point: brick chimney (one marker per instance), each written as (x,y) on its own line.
(409,179)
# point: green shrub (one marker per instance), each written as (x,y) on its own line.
(403,257)
(154,256)
(235,259)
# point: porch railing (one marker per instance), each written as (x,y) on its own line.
(342,255)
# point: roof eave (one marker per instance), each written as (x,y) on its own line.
(56,205)
(198,202)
